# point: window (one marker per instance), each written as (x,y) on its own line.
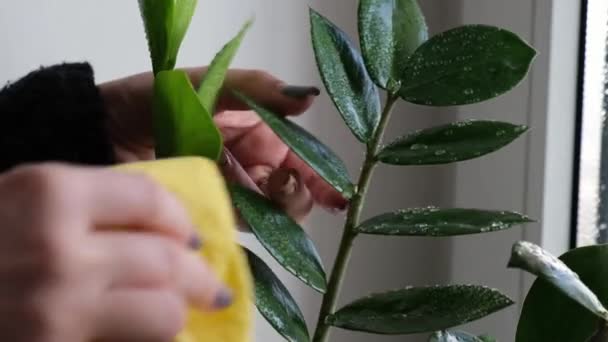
(591,195)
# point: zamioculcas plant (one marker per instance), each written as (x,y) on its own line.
(464,65)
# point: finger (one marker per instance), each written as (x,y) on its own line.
(322,193)
(148,261)
(129,200)
(260,175)
(260,146)
(264,89)
(235,124)
(139,315)
(286,188)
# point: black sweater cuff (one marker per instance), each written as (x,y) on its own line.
(54,114)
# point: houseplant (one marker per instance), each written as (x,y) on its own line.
(565,302)
(464,65)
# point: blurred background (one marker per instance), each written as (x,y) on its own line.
(551,174)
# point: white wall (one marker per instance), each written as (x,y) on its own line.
(110,35)
(534,174)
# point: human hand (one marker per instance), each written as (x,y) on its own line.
(66,273)
(255,156)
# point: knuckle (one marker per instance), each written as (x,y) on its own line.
(45,184)
(46,198)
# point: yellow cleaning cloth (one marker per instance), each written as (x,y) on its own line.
(199,185)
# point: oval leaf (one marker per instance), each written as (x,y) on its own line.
(390,30)
(313,152)
(451,143)
(549,315)
(453,336)
(166,24)
(275,303)
(466,65)
(437,222)
(419,309)
(345,77)
(534,259)
(213,81)
(284,239)
(182,126)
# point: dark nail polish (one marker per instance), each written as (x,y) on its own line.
(223,299)
(195,242)
(299,92)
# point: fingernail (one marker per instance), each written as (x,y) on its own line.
(299,92)
(195,242)
(223,299)
(283,181)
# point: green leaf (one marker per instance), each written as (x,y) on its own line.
(441,222)
(534,259)
(345,77)
(419,309)
(182,126)
(486,338)
(453,336)
(213,81)
(466,65)
(451,143)
(275,303)
(549,315)
(313,152)
(166,23)
(281,236)
(390,30)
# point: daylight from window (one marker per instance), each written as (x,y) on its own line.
(591,227)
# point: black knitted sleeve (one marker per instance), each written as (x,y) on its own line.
(54,114)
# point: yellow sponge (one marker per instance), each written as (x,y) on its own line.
(199,185)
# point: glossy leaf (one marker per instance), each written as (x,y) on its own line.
(281,236)
(275,303)
(441,222)
(166,24)
(345,77)
(550,315)
(453,336)
(313,152)
(390,30)
(466,65)
(451,143)
(215,76)
(182,126)
(534,259)
(419,309)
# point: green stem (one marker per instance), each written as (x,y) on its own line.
(352,221)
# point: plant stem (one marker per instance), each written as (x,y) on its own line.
(352,221)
